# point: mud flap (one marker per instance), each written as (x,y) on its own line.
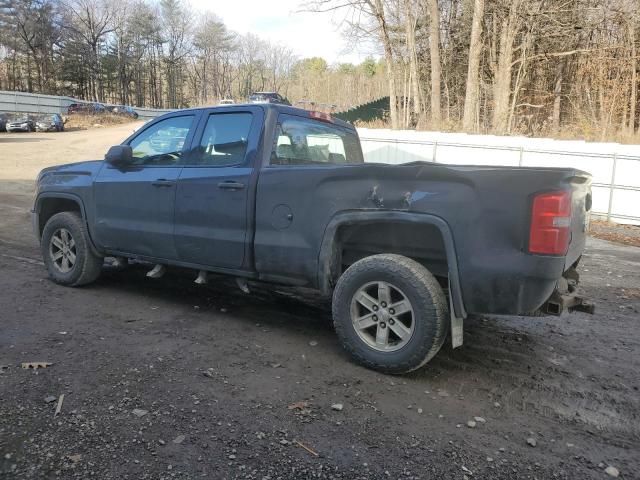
(457,324)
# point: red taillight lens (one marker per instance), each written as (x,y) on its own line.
(550,223)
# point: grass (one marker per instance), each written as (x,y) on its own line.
(83,121)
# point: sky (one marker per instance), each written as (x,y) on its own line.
(280,21)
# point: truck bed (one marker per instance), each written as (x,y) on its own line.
(486,208)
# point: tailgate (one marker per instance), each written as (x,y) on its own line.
(580,215)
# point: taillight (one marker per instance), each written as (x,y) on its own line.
(550,223)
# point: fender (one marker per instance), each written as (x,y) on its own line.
(35,213)
(327,255)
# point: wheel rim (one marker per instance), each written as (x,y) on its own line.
(62,250)
(382,316)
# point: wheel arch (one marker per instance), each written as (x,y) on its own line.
(49,204)
(330,256)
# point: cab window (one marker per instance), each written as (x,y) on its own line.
(301,141)
(224,140)
(162,143)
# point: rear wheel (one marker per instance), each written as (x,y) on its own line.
(67,252)
(390,313)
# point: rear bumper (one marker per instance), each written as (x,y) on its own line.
(509,284)
(523,285)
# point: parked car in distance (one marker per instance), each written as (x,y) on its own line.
(90,108)
(3,122)
(227,101)
(268,97)
(124,110)
(21,123)
(277,194)
(49,123)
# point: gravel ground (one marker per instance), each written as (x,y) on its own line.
(168,379)
(615,232)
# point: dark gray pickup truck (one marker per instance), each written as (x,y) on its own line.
(276,194)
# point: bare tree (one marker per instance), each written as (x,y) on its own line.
(470,122)
(436,71)
(92,21)
(505,32)
(634,74)
(177,19)
(410,28)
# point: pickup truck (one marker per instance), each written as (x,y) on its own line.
(271,193)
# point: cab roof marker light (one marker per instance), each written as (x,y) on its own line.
(325,117)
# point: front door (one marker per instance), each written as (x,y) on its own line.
(135,203)
(212,207)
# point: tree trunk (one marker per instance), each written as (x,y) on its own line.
(388,57)
(502,79)
(436,71)
(557,92)
(634,79)
(418,99)
(469,123)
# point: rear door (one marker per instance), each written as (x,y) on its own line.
(135,203)
(314,171)
(215,188)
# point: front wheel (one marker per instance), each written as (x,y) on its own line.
(67,252)
(390,313)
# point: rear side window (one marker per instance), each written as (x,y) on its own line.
(301,141)
(162,143)
(224,140)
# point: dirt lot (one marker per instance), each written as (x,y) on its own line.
(228,385)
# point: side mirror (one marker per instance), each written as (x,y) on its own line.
(119,155)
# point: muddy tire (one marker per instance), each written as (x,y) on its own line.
(67,252)
(390,313)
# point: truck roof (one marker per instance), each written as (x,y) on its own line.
(280,108)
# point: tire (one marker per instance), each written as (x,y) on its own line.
(87,265)
(405,279)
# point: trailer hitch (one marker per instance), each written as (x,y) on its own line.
(565,296)
(571,302)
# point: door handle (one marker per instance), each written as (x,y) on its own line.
(163,182)
(231,185)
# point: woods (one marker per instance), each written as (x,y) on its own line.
(536,67)
(160,54)
(533,67)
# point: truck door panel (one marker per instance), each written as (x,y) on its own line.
(135,203)
(212,207)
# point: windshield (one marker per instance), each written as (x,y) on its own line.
(18,118)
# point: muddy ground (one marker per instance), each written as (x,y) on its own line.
(167,379)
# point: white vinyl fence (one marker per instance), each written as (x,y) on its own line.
(615,167)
